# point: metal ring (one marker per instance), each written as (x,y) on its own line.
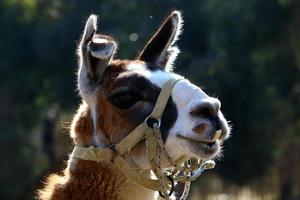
(171,190)
(150,121)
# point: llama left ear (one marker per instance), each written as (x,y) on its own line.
(95,52)
(160,49)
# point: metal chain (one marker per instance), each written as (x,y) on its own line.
(155,161)
(170,160)
(186,173)
(162,147)
(185,193)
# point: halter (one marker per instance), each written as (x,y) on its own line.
(181,171)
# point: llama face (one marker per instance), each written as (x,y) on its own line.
(122,93)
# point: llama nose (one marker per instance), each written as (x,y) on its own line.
(216,123)
(207,108)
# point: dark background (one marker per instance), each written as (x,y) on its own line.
(247,53)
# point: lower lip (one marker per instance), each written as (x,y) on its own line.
(211,147)
(206,145)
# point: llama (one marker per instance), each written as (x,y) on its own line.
(117,96)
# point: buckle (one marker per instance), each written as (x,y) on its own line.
(152,122)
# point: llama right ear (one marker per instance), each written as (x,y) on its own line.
(95,51)
(160,49)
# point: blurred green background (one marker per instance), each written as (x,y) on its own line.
(247,53)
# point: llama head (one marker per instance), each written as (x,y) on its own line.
(120,94)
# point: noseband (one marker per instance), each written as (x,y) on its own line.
(181,171)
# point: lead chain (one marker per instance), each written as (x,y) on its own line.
(155,161)
(187,186)
(161,145)
(161,177)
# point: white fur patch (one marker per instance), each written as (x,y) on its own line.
(186,96)
(159,78)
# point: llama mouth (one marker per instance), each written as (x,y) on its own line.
(208,143)
(202,147)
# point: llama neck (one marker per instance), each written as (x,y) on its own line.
(102,180)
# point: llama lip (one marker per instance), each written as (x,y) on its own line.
(208,147)
(209,143)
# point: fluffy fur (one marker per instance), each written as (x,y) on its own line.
(87,179)
(190,120)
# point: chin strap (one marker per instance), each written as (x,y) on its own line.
(180,171)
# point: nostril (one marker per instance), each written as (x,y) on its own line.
(200,128)
(216,122)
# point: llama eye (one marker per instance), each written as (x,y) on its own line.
(124,100)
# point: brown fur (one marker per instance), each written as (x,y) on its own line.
(87,179)
(82,126)
(97,80)
(110,121)
(92,180)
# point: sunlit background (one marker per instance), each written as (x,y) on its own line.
(246,52)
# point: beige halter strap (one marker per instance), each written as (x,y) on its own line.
(149,130)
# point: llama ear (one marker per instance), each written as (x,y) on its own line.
(160,49)
(95,51)
(89,30)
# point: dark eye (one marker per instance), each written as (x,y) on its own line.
(124,100)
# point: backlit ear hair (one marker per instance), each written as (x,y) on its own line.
(95,53)
(160,49)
